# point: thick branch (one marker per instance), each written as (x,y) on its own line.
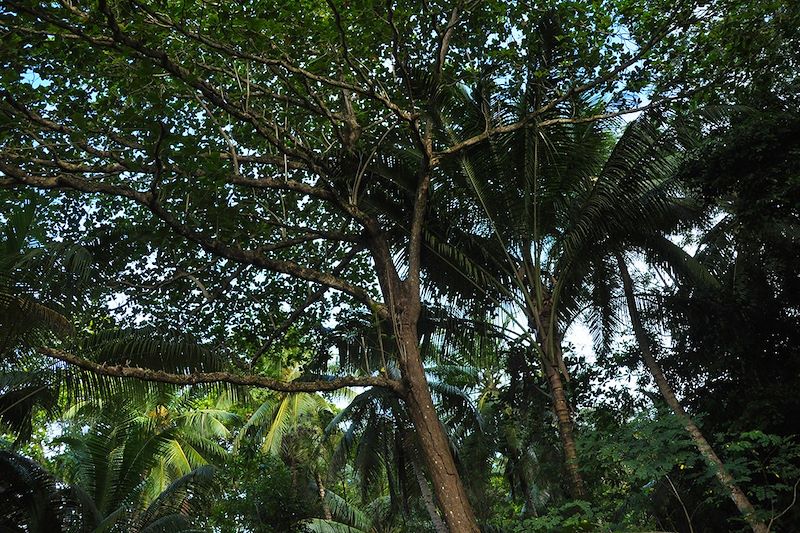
(158,376)
(287,185)
(417,224)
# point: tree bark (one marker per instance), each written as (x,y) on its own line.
(550,353)
(433,442)
(403,303)
(565,428)
(723,476)
(326,510)
(427,498)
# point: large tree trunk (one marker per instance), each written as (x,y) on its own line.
(403,304)
(433,442)
(407,446)
(736,494)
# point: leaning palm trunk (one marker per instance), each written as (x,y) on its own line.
(734,492)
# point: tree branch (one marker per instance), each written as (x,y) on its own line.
(159,376)
(573,91)
(264,127)
(417,225)
(211,245)
(283,63)
(309,301)
(508,128)
(444,42)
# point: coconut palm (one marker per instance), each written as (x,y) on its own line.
(653,242)
(628,198)
(551,201)
(508,222)
(657,208)
(46,301)
(32,499)
(147,448)
(346,517)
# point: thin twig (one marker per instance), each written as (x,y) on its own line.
(794,500)
(685,512)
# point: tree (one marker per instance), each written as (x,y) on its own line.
(637,204)
(536,203)
(642,156)
(720,470)
(244,141)
(746,174)
(108,495)
(626,199)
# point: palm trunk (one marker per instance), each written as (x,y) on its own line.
(326,510)
(734,492)
(565,428)
(427,499)
(560,405)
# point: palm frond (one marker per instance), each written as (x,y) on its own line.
(32,498)
(346,513)
(676,259)
(319,525)
(22,394)
(184,499)
(150,348)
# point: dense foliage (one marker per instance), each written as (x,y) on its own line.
(399,266)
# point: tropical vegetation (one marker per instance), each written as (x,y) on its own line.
(356,266)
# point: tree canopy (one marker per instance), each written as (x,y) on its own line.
(340,249)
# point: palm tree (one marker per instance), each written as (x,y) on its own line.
(107,493)
(381,445)
(290,426)
(551,200)
(194,431)
(508,225)
(346,517)
(134,470)
(32,499)
(32,312)
(132,454)
(650,156)
(46,301)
